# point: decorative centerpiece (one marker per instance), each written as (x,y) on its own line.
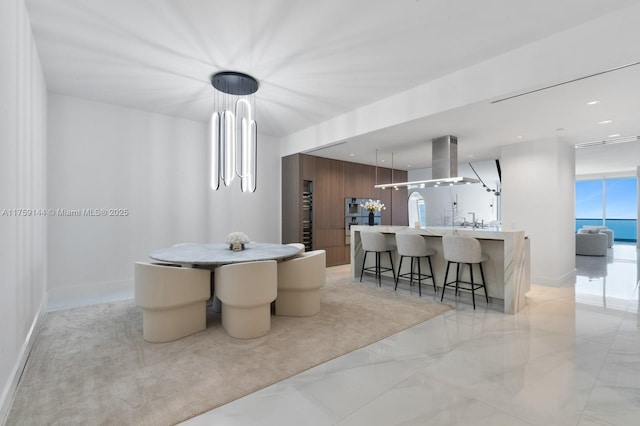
(373,207)
(237,240)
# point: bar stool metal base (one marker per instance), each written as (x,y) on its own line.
(377,269)
(472,286)
(419,276)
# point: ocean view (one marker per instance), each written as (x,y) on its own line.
(623,229)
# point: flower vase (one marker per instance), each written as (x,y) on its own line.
(371,219)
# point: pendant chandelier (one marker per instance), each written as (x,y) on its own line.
(234,132)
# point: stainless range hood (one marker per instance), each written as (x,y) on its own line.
(444,154)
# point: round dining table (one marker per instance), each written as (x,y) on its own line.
(215,254)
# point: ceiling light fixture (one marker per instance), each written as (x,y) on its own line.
(432,183)
(444,164)
(593,102)
(606,122)
(234,129)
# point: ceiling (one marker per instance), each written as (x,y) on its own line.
(316,61)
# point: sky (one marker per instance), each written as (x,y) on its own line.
(621,198)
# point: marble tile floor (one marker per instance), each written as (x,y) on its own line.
(572,357)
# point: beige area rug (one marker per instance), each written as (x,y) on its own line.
(90,365)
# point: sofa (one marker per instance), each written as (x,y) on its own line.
(596,230)
(591,244)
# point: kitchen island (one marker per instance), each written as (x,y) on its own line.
(507,272)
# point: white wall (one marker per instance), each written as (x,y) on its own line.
(23,126)
(108,157)
(256,214)
(538,185)
(469,198)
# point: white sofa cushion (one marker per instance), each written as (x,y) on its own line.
(588,244)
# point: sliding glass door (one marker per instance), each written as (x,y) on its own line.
(621,198)
(609,202)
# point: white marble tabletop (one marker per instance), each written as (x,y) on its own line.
(220,254)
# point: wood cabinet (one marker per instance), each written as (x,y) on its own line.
(332,182)
(291,201)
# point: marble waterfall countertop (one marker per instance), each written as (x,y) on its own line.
(507,270)
(486,233)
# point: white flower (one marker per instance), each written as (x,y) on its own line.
(374,206)
(237,238)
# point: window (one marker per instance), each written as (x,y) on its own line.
(416,209)
(589,203)
(611,203)
(621,207)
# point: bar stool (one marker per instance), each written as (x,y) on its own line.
(467,250)
(414,246)
(377,243)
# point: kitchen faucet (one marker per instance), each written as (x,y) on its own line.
(473,222)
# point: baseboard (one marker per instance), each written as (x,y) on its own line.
(89,294)
(10,390)
(568,277)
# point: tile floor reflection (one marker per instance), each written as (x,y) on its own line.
(571,357)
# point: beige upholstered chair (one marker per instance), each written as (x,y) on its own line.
(414,246)
(299,246)
(377,243)
(246,291)
(299,283)
(173,300)
(463,250)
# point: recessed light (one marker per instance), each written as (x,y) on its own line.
(593,102)
(408,165)
(518,137)
(382,161)
(351,155)
(615,135)
(606,122)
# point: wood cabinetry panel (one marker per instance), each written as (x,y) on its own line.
(353,180)
(368,181)
(337,256)
(291,200)
(333,181)
(307,167)
(328,194)
(328,238)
